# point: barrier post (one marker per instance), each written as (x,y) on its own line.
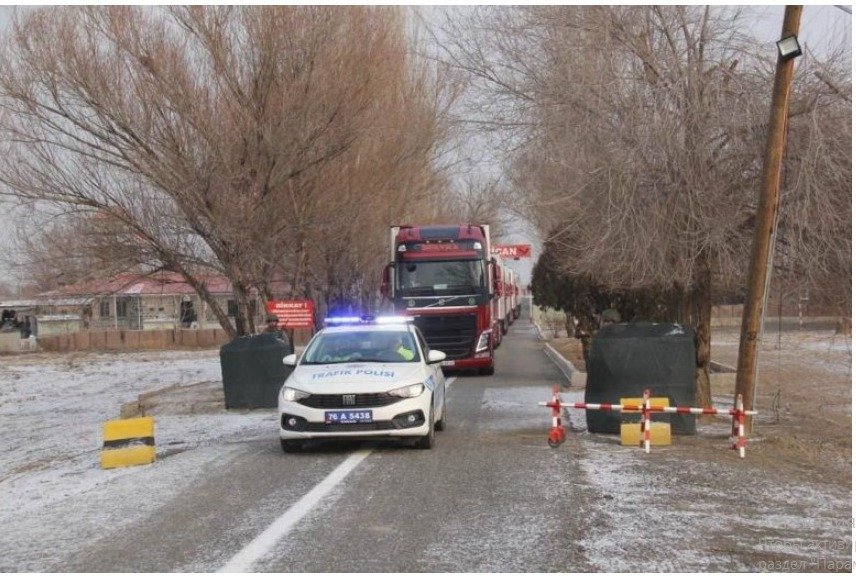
(738,439)
(557,432)
(645,422)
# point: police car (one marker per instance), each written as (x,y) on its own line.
(364,377)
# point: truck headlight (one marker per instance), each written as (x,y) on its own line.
(293,394)
(484,341)
(411,391)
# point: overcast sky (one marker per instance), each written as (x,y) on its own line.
(820,26)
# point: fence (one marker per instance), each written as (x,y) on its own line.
(134,340)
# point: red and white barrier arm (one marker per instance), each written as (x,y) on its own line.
(638,408)
(738,414)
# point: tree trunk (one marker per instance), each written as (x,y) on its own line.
(569,324)
(701,300)
(244,323)
(586,327)
(206,296)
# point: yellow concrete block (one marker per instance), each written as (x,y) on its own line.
(657,402)
(661,434)
(128,442)
(121,457)
(129,428)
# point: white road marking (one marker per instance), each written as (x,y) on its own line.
(243,561)
(450,381)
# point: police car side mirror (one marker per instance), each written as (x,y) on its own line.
(290,360)
(435,356)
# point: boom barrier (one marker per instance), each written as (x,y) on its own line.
(738,418)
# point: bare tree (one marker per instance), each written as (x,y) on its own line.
(199,139)
(641,134)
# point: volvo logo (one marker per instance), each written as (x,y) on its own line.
(441,302)
(349,399)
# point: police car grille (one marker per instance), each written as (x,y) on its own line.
(357,427)
(338,400)
(452,334)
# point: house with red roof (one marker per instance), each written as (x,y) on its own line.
(162,300)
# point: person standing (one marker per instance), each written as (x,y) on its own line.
(272,325)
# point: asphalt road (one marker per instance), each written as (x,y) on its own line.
(490,496)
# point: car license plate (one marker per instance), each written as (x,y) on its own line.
(347,417)
(447,363)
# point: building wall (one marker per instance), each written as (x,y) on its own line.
(152,312)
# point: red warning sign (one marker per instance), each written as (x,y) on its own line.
(293,313)
(512,251)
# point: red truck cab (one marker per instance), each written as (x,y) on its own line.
(445,278)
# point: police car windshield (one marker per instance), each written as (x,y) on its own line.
(361,346)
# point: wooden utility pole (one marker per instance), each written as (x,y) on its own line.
(765,221)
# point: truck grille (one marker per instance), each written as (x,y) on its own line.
(453,334)
(360,400)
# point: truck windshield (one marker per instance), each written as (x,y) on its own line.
(429,278)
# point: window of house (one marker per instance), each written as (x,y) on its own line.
(121,308)
(104,308)
(232,306)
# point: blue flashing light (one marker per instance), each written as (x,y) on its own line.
(342,320)
(365,319)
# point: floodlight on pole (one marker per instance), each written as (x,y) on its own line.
(789,47)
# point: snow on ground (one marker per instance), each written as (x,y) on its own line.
(687,507)
(675,510)
(52,411)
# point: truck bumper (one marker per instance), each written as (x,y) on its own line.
(467,363)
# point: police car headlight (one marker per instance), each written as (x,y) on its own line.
(411,391)
(293,394)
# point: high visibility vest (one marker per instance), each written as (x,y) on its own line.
(406,353)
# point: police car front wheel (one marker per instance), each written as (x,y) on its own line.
(440,425)
(289,446)
(427,442)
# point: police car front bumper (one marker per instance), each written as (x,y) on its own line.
(407,417)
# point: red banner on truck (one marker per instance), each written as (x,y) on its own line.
(293,313)
(512,251)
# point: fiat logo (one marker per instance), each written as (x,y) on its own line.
(349,399)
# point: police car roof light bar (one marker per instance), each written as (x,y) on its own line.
(341,320)
(393,319)
(365,319)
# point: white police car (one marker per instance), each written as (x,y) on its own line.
(364,377)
